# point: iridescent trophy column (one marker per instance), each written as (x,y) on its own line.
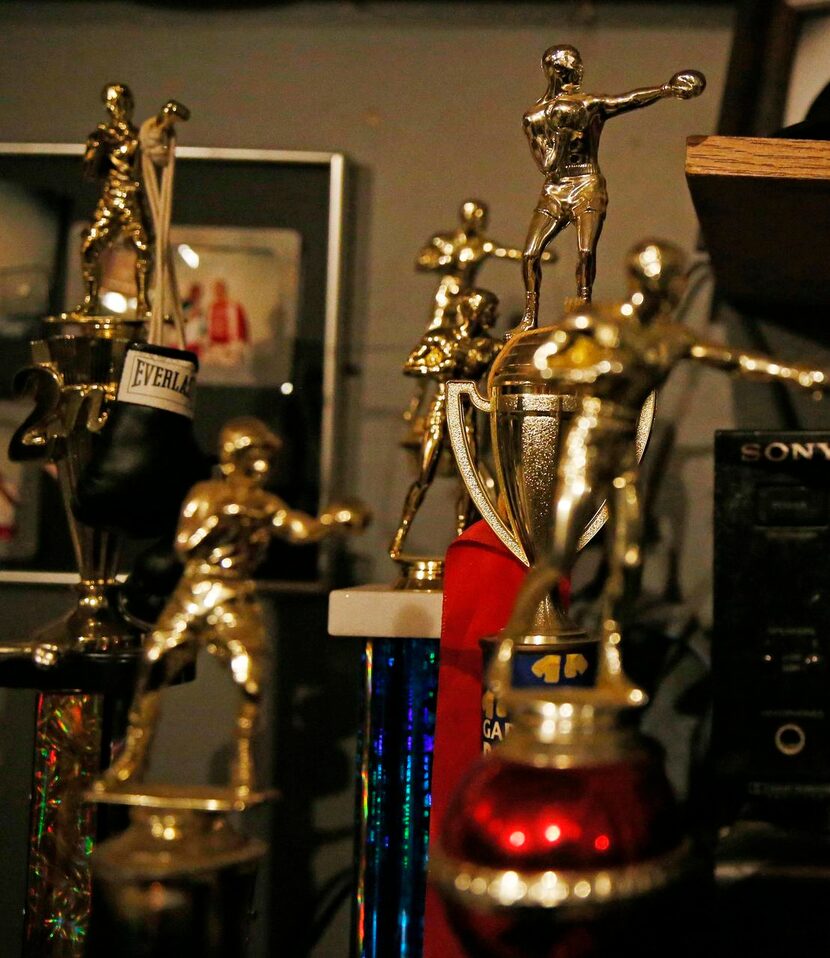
(402,622)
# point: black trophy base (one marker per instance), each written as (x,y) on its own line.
(174,883)
(91,673)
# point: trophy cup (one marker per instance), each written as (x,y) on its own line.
(566,838)
(181,875)
(527,416)
(72,380)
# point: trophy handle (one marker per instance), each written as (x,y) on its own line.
(460,441)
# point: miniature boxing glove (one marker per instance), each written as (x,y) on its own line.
(145,459)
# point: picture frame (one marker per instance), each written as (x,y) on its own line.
(257,199)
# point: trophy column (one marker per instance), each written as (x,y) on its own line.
(400,678)
(83,664)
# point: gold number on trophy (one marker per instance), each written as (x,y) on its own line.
(34,438)
(548,669)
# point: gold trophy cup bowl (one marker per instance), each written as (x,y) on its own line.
(527,415)
(72,378)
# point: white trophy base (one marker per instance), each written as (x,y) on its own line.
(382,612)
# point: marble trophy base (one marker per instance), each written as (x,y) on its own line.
(383,611)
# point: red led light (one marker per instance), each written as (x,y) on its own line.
(510,815)
(553,833)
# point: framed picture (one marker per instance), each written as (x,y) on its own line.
(259,239)
(239,288)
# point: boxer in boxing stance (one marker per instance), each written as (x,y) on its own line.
(611,357)
(564,129)
(225,528)
(461,348)
(112,156)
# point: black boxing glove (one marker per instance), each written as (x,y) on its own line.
(155,574)
(145,459)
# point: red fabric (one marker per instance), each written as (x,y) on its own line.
(221,316)
(481,579)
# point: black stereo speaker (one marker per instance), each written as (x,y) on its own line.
(771,639)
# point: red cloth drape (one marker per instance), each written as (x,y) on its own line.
(481,579)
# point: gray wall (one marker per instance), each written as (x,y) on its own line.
(427,100)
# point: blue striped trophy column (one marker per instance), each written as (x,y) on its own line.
(394,761)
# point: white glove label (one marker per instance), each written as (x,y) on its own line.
(158,381)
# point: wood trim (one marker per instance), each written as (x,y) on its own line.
(758,157)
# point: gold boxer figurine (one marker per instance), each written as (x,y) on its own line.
(611,358)
(457,256)
(225,529)
(459,348)
(112,156)
(564,129)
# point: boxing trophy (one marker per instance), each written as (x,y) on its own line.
(85,662)
(76,372)
(181,875)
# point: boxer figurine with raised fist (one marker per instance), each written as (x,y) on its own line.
(224,531)
(564,128)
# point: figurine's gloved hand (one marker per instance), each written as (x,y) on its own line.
(349,516)
(686,85)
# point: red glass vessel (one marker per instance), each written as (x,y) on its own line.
(566,841)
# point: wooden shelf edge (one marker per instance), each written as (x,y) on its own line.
(759,157)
